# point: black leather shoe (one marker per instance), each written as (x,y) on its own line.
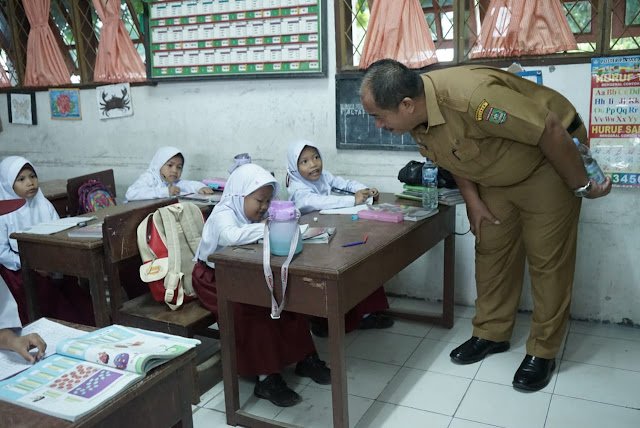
(375,320)
(319,326)
(534,373)
(315,368)
(275,389)
(475,349)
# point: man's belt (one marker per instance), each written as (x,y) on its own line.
(577,121)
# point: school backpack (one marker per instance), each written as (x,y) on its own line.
(93,196)
(167,241)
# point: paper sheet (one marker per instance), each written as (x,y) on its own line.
(349,210)
(51,332)
(50,227)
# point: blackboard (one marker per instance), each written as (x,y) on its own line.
(355,129)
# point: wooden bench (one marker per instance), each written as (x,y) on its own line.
(73,184)
(121,251)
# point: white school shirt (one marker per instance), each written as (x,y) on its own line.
(151,185)
(9,317)
(316,195)
(37,209)
(227,224)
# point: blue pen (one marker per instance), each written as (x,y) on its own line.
(357,243)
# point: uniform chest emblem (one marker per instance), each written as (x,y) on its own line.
(480,110)
(496,115)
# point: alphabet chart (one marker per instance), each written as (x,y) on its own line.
(234,37)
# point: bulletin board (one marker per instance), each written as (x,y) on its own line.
(235,38)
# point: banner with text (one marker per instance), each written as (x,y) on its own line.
(614,126)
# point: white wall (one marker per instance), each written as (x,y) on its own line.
(214,120)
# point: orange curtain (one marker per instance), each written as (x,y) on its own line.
(45,66)
(4,79)
(398,30)
(117,59)
(519,27)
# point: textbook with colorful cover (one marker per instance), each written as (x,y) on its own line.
(410,213)
(89,370)
(318,235)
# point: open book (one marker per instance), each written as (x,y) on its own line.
(91,369)
(318,235)
(197,197)
(410,213)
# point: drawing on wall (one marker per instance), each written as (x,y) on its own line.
(65,104)
(114,101)
(22,108)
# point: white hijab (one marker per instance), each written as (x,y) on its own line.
(159,159)
(244,180)
(295,181)
(37,208)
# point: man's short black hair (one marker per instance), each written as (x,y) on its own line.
(389,82)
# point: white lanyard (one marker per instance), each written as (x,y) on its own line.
(284,271)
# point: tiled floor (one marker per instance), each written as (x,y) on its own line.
(403,378)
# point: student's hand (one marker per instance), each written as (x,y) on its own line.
(174,190)
(23,344)
(600,190)
(478,211)
(206,190)
(375,193)
(362,196)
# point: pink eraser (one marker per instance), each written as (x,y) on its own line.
(381,216)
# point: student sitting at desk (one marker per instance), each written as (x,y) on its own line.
(265,346)
(162,178)
(9,318)
(310,188)
(60,298)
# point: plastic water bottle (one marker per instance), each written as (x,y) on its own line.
(430,185)
(593,169)
(284,221)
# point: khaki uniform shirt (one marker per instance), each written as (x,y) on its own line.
(485,123)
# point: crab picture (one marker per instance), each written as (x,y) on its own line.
(115,103)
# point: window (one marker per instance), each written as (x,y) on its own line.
(601,28)
(76,28)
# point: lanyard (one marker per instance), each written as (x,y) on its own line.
(284,271)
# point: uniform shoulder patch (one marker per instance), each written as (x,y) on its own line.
(496,116)
(480,110)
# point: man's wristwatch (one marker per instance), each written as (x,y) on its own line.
(583,191)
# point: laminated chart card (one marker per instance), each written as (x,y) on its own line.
(195,38)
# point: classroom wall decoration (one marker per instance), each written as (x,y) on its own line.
(22,108)
(614,126)
(65,104)
(223,38)
(114,101)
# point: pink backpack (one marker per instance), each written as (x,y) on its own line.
(93,196)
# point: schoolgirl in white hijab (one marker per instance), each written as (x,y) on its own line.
(310,186)
(228,223)
(36,210)
(162,178)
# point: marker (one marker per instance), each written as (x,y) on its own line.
(357,243)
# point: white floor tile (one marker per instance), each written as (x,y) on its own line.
(417,305)
(205,418)
(383,415)
(322,343)
(597,383)
(603,351)
(613,331)
(462,423)
(366,378)
(568,412)
(519,338)
(208,395)
(503,406)
(459,333)
(316,411)
(464,311)
(433,356)
(383,347)
(249,402)
(433,392)
(500,368)
(289,376)
(409,328)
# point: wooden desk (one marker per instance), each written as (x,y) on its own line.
(327,281)
(81,257)
(162,399)
(56,192)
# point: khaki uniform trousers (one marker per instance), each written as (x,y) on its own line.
(538,219)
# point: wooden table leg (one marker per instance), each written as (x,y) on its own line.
(448,283)
(186,379)
(340,398)
(228,349)
(97,288)
(30,292)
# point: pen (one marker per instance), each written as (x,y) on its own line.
(357,243)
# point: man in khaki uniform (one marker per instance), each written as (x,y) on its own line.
(507,141)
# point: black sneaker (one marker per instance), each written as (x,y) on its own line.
(315,368)
(275,389)
(319,326)
(376,320)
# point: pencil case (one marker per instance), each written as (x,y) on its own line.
(381,216)
(215,183)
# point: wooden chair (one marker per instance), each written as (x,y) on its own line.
(121,251)
(73,184)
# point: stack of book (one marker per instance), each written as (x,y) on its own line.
(445,196)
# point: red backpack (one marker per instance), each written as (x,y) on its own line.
(93,196)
